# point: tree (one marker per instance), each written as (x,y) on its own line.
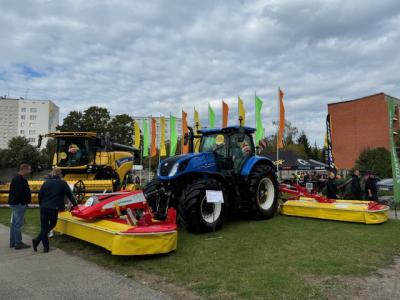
(302,140)
(377,160)
(121,129)
(290,134)
(316,153)
(20,151)
(96,119)
(72,122)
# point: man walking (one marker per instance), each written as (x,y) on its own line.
(18,199)
(51,201)
(356,186)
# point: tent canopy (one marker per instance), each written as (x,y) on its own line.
(289,160)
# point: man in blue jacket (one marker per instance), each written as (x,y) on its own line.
(51,201)
(18,199)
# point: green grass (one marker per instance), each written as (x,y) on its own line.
(284,257)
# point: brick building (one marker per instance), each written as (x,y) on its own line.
(358,124)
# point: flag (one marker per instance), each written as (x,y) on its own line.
(173,136)
(259,125)
(225,112)
(185,148)
(145,138)
(137,134)
(281,120)
(153,151)
(197,126)
(392,103)
(329,152)
(241,112)
(163,150)
(211,117)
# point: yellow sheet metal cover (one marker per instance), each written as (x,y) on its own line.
(341,210)
(109,235)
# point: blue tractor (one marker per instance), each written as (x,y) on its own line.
(225,161)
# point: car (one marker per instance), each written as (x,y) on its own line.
(385,184)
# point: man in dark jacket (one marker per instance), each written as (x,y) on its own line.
(18,199)
(331,187)
(355,186)
(51,201)
(371,190)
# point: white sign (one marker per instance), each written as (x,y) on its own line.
(137,167)
(214,196)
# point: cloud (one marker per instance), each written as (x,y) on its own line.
(158,57)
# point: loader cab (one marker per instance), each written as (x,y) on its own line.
(232,146)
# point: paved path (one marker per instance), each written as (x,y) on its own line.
(25,274)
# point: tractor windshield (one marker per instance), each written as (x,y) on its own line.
(74,152)
(214,143)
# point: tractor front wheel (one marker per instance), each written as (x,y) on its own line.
(196,214)
(263,186)
(151,193)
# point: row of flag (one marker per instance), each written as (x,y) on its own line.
(149,141)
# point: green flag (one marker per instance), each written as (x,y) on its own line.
(259,125)
(173,140)
(211,117)
(392,103)
(145,138)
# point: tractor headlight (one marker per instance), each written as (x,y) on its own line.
(174,170)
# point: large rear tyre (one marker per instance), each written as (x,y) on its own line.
(151,193)
(193,210)
(264,190)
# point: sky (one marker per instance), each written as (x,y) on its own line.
(159,57)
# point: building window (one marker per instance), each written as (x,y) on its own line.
(23,109)
(32,117)
(33,110)
(31,140)
(22,131)
(22,124)
(32,131)
(22,117)
(32,124)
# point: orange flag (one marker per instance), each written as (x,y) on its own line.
(153,150)
(281,120)
(185,148)
(225,111)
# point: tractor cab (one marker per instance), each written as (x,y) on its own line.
(75,149)
(232,146)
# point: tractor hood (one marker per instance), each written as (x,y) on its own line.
(187,163)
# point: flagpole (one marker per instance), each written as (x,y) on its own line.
(148,177)
(159,144)
(277,142)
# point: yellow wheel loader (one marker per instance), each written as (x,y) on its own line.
(90,162)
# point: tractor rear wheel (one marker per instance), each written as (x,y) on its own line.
(263,186)
(196,214)
(151,194)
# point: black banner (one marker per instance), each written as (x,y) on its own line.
(329,152)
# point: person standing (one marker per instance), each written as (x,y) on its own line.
(18,199)
(371,190)
(331,187)
(356,186)
(51,201)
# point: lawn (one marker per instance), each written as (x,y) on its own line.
(284,257)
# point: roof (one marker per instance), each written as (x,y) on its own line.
(229,129)
(358,99)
